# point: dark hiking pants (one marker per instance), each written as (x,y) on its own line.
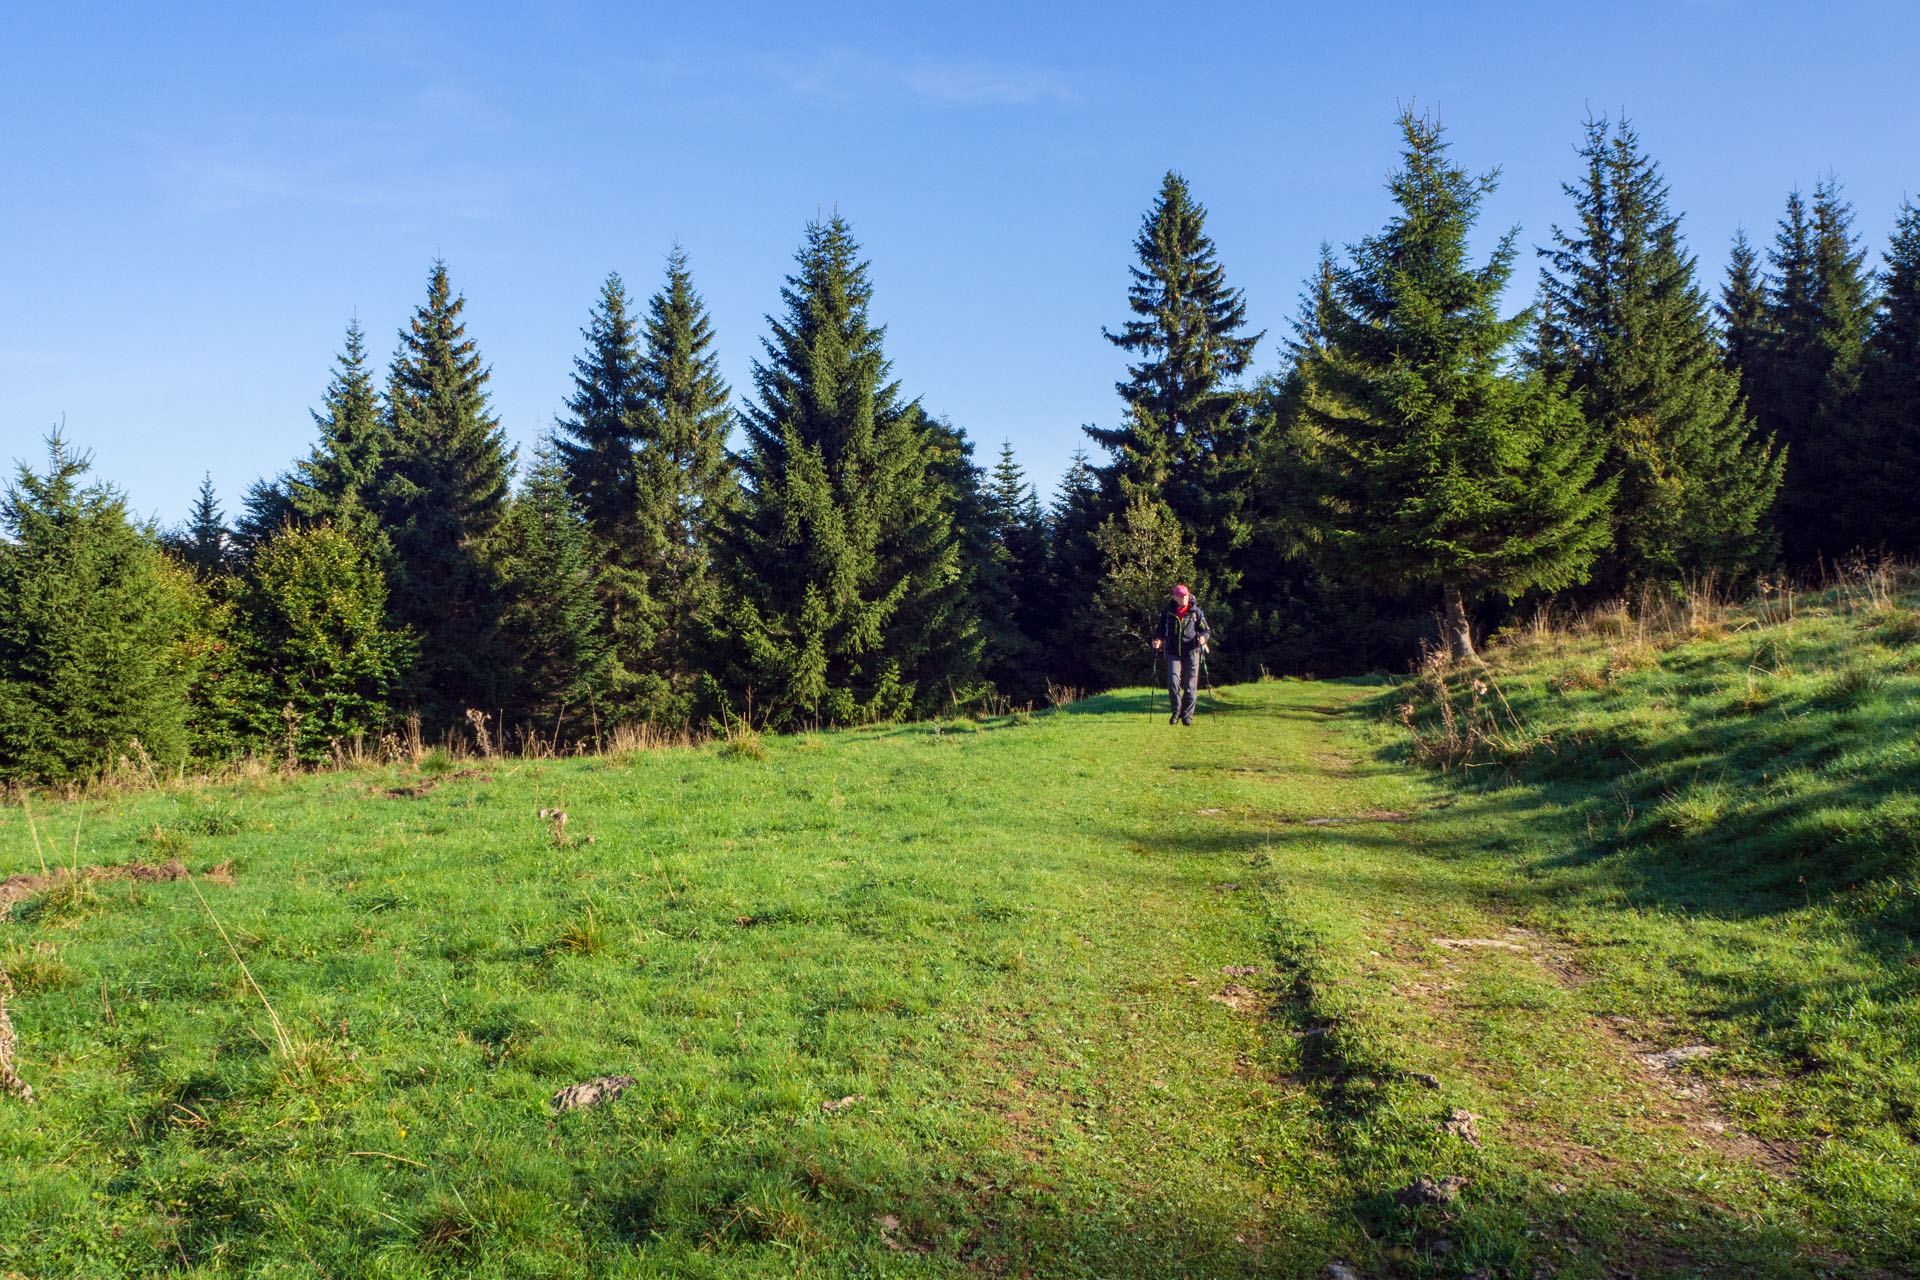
(1183,684)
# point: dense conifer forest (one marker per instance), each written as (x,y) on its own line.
(815,544)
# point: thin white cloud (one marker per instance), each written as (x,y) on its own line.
(847,74)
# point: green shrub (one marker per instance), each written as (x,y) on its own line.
(320,665)
(92,619)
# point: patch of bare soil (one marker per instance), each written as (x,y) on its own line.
(14,888)
(1369,815)
(1238,998)
(426,785)
(591,1093)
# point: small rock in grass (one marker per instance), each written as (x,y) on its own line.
(1425,1191)
(1241,970)
(1421,1077)
(1237,998)
(834,1108)
(1462,1124)
(1206,813)
(1668,1059)
(1341,1271)
(591,1093)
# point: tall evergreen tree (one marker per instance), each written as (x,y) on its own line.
(684,485)
(551,611)
(1818,310)
(1012,583)
(1888,496)
(847,594)
(339,480)
(266,507)
(202,541)
(1742,310)
(442,494)
(1183,440)
(1073,575)
(596,441)
(1435,463)
(92,619)
(1627,327)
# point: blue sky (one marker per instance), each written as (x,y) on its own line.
(194,199)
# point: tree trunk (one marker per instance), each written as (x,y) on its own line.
(1456,630)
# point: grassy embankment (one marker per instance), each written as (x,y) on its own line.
(926,1000)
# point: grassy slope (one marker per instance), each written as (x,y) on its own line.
(1724,821)
(1002,939)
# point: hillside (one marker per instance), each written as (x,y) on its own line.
(1074,994)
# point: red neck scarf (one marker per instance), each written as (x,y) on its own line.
(1185,605)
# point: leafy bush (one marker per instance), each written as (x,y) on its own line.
(92,618)
(320,664)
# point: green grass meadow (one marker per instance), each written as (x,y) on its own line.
(1071,994)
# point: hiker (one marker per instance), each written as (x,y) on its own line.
(1182,637)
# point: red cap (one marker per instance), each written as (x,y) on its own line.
(1181,590)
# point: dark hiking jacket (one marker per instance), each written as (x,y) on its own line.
(1182,635)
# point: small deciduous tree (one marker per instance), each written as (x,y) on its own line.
(1143,553)
(318,665)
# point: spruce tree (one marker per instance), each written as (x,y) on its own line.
(1435,463)
(595,442)
(443,489)
(1887,498)
(1073,576)
(1627,327)
(552,613)
(1742,310)
(266,507)
(1818,311)
(202,541)
(684,485)
(843,564)
(92,620)
(1183,439)
(339,480)
(1012,583)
